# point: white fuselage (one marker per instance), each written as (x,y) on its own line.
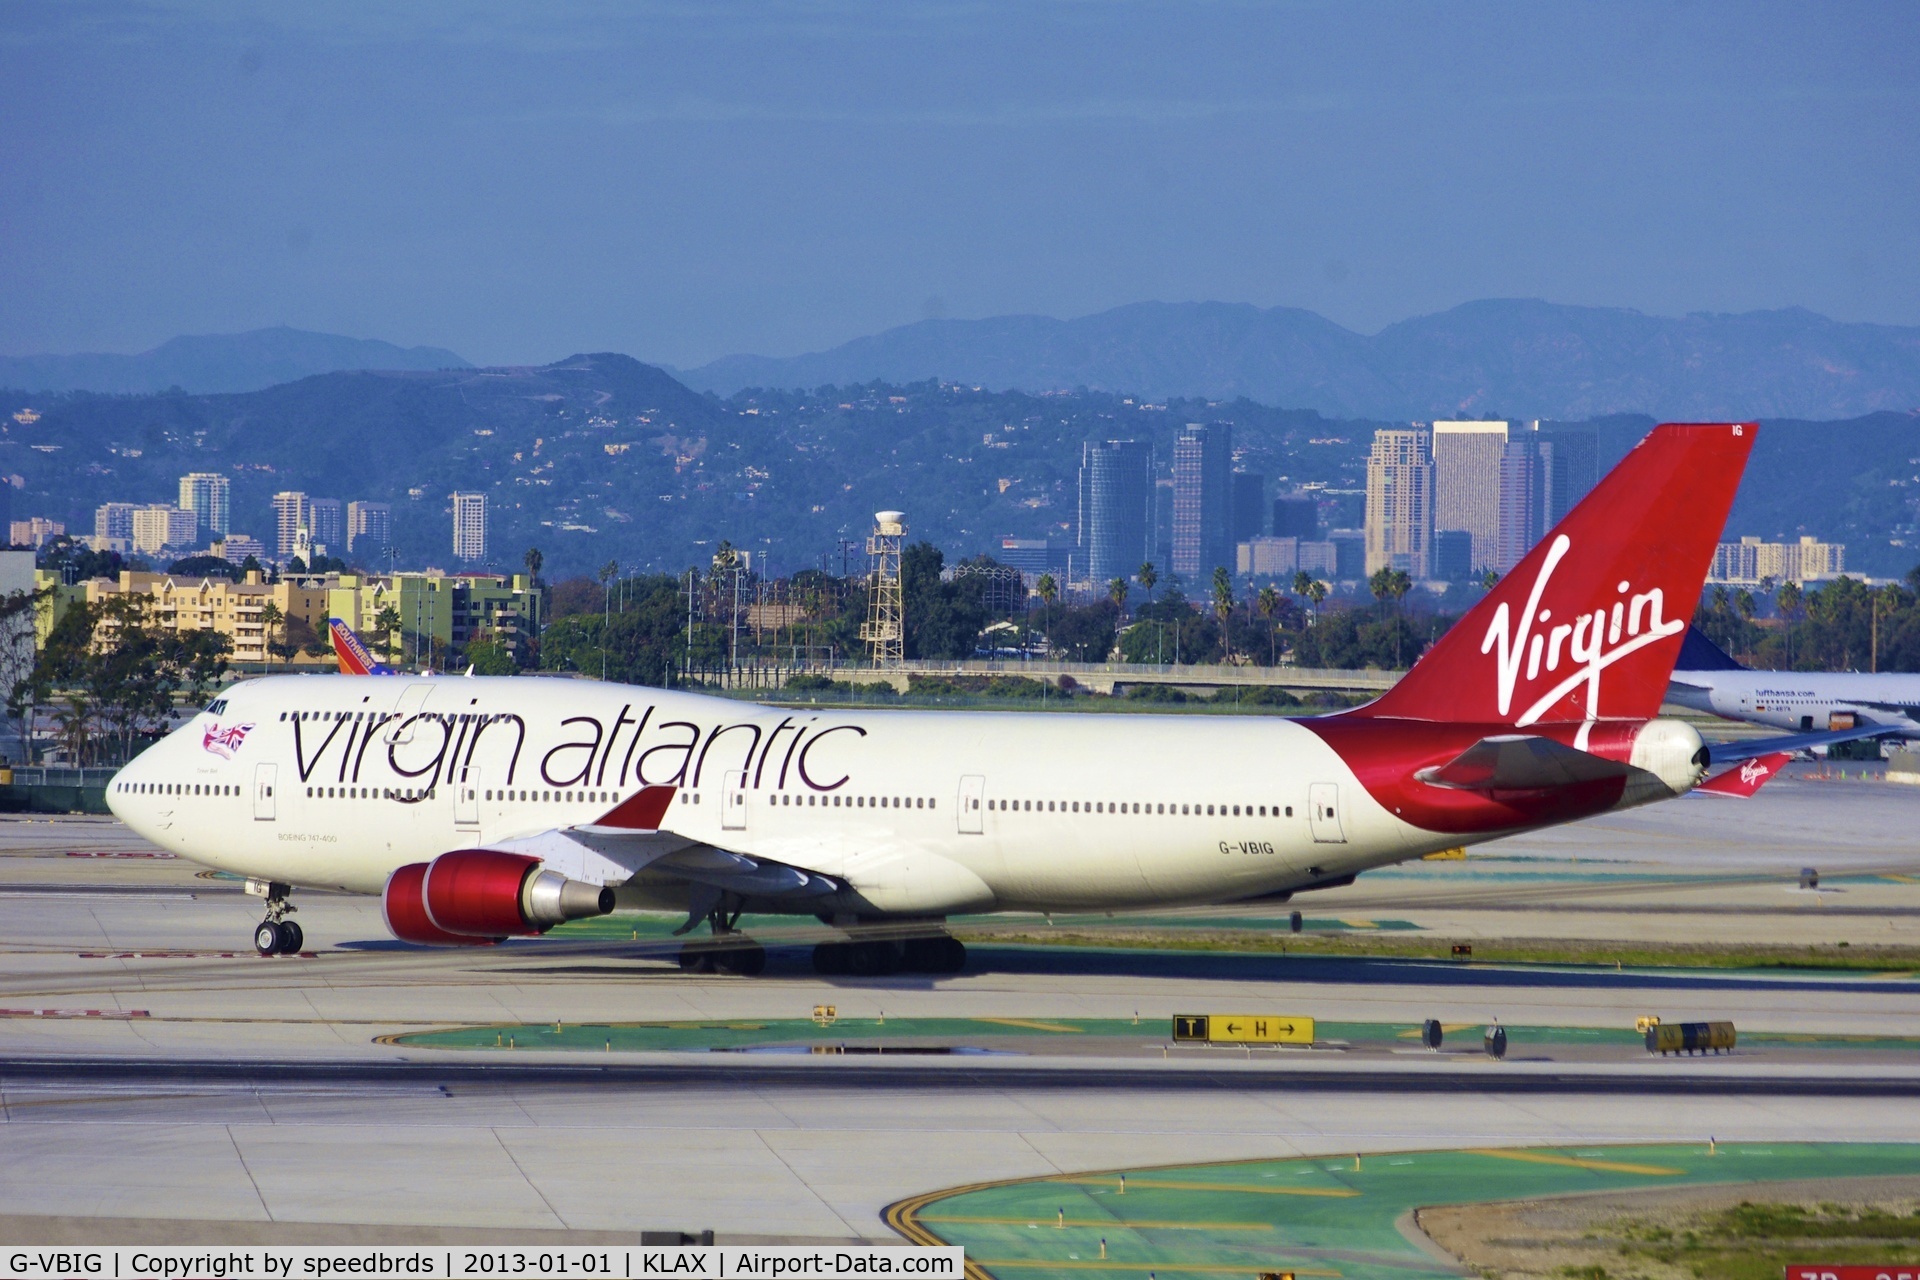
(1802,701)
(336,781)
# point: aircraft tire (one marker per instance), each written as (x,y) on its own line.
(292,938)
(266,938)
(874,958)
(696,959)
(831,959)
(940,954)
(747,961)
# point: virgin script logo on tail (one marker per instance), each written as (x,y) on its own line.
(224,742)
(1753,773)
(1588,643)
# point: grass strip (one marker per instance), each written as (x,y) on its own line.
(1403,946)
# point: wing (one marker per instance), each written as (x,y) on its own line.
(1754,748)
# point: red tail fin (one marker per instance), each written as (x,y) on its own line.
(1588,625)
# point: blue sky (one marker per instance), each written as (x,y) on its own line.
(685,180)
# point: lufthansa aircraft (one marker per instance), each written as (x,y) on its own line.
(1707,679)
(481,809)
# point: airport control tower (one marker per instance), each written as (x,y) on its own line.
(885,628)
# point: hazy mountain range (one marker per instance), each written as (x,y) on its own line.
(219,362)
(1513,357)
(600,458)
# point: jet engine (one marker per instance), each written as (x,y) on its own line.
(478,896)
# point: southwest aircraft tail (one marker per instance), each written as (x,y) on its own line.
(352,655)
(1588,625)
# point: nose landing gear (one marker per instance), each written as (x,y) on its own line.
(277,935)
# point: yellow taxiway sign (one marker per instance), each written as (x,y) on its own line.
(1242,1028)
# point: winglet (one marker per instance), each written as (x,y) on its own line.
(1741,782)
(643,811)
(352,656)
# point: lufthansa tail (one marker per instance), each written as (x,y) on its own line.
(351,654)
(1588,625)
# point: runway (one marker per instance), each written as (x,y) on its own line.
(154,1074)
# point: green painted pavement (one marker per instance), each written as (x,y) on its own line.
(748,1033)
(1318,1216)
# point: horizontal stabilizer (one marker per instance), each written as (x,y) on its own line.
(1754,748)
(1521,762)
(1741,782)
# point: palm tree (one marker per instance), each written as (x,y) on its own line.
(386,623)
(1391,584)
(1149,577)
(1789,602)
(1047,589)
(1268,602)
(1117,592)
(271,620)
(1316,592)
(533,560)
(1223,606)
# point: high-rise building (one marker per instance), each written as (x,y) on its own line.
(205,494)
(35,532)
(1573,467)
(469,526)
(291,516)
(1116,508)
(162,527)
(369,529)
(1296,517)
(1400,501)
(1452,555)
(1524,468)
(1750,562)
(1249,506)
(114,520)
(325,521)
(1202,497)
(1466,483)
(236,547)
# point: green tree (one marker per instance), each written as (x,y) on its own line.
(1223,605)
(1047,589)
(1117,592)
(1149,578)
(1268,603)
(386,630)
(533,560)
(272,632)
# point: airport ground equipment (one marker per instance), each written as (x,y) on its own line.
(1691,1037)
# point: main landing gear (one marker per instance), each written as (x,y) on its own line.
(877,957)
(277,935)
(728,950)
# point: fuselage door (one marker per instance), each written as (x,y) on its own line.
(733,801)
(466,799)
(973,789)
(263,776)
(1323,813)
(413,699)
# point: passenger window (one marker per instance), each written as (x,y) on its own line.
(1289,811)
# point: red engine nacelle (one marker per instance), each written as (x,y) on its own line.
(478,896)
(405,909)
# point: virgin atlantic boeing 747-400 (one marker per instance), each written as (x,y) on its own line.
(482,809)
